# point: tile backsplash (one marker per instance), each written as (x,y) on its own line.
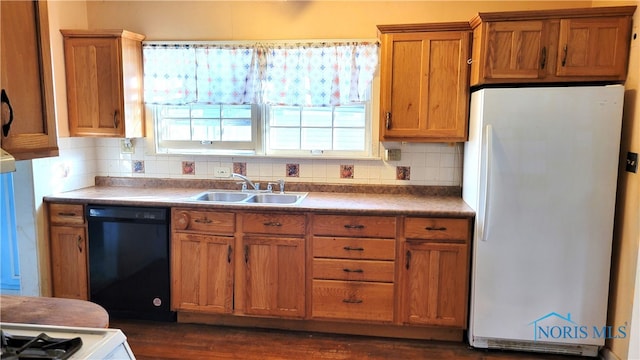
(81,159)
(421,164)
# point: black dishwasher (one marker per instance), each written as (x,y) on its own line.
(129,261)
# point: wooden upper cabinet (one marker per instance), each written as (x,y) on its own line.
(424,86)
(574,45)
(594,46)
(104,83)
(27,113)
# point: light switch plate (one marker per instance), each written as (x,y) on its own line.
(126,146)
(632,162)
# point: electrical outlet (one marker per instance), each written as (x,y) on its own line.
(392,155)
(221,172)
(632,162)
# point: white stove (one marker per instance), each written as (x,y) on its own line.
(97,343)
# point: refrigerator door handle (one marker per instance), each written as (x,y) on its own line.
(484,228)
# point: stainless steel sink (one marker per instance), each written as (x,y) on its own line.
(221,196)
(262,198)
(286,198)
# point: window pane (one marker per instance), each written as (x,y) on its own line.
(284,138)
(175,111)
(236,129)
(176,129)
(348,139)
(236,111)
(316,139)
(210,111)
(285,116)
(316,116)
(206,129)
(349,116)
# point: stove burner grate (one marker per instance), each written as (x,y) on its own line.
(40,347)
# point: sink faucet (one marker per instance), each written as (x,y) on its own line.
(280,183)
(247,182)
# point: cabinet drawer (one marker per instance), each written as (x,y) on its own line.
(261,223)
(357,226)
(206,221)
(353,270)
(436,228)
(352,300)
(354,248)
(66,213)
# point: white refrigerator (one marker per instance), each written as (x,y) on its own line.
(540,170)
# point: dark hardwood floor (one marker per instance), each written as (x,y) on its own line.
(158,341)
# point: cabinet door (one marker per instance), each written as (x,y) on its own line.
(202,272)
(69,262)
(274,276)
(515,50)
(94,86)
(424,86)
(28,117)
(434,287)
(593,47)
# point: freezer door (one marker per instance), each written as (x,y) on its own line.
(547,159)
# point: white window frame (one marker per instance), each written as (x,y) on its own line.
(321,153)
(219,147)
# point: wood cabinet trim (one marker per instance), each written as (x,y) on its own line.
(425,27)
(552,14)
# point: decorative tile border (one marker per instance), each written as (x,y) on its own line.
(347,171)
(293,170)
(137,166)
(403,173)
(240,168)
(188,168)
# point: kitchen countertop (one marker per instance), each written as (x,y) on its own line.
(397,203)
(52,311)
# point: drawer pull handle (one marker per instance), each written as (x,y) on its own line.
(66,214)
(353,271)
(246,254)
(408,259)
(352,301)
(349,248)
(431,228)
(272,223)
(229,252)
(79,244)
(203,221)
(354,226)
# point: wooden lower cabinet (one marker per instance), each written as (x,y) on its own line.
(434,286)
(434,275)
(202,272)
(376,275)
(202,261)
(274,276)
(353,268)
(68,244)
